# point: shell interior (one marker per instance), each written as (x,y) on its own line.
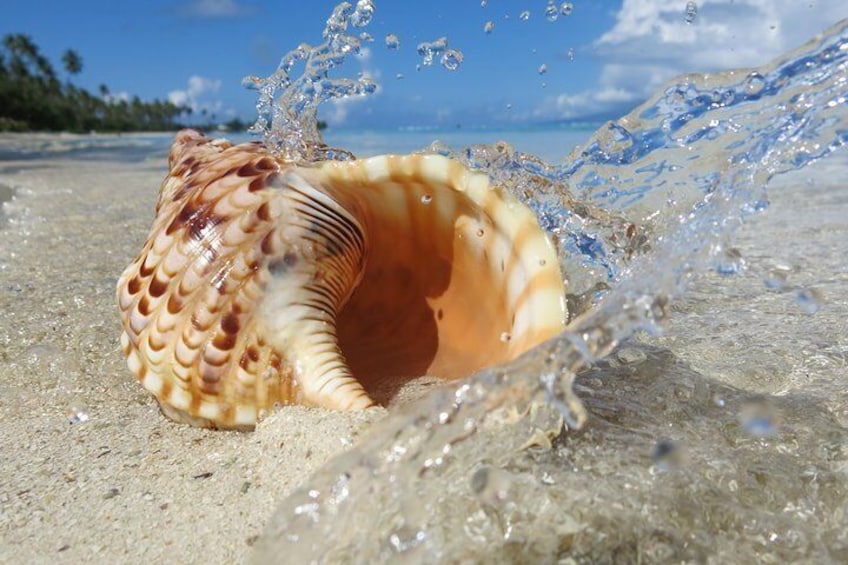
(458,275)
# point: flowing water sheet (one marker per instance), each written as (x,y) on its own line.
(504,466)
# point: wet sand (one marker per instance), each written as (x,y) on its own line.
(91,471)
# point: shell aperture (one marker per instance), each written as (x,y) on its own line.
(264,282)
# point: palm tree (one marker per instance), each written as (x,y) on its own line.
(32,97)
(72,62)
(21,50)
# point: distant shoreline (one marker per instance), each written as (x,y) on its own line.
(550,142)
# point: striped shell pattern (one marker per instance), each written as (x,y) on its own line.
(264,283)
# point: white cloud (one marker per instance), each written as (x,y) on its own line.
(192,97)
(651,42)
(214,8)
(724,34)
(337,111)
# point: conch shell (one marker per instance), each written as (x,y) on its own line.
(265,283)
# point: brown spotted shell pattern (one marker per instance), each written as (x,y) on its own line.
(263,283)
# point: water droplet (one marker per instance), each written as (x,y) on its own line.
(551,11)
(365,36)
(509,106)
(399,76)
(361,17)
(430,50)
(566,9)
(544,85)
(481,232)
(426,198)
(505,337)
(570,54)
(77,413)
(809,299)
(489,27)
(452,59)
(542,262)
(392,42)
(691,12)
(524,16)
(483,3)
(543,69)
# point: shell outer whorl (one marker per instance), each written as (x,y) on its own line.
(231,306)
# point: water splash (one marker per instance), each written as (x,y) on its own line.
(288,103)
(551,11)
(431,50)
(452,59)
(646,204)
(392,42)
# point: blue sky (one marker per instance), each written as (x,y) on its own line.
(600,61)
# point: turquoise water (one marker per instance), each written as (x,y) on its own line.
(552,143)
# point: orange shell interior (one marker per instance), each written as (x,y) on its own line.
(434,298)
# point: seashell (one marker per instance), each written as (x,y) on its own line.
(265,283)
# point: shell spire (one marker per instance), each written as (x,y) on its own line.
(265,283)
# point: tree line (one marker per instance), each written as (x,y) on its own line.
(33,97)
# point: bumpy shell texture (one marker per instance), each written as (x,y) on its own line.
(264,283)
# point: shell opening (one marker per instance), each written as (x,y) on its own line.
(452,266)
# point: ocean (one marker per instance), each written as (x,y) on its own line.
(550,142)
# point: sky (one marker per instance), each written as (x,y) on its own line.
(599,62)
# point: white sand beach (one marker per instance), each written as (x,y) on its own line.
(91,471)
